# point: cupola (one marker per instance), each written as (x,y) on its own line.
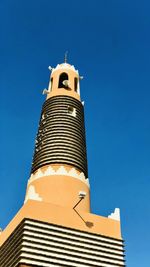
(64,80)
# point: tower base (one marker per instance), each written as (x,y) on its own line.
(42,234)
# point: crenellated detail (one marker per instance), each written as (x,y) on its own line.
(32,194)
(65,66)
(60,171)
(115,215)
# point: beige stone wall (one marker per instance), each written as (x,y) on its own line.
(64,216)
(59,185)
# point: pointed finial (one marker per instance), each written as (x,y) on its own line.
(66,54)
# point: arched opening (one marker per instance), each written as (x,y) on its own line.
(51,84)
(63,80)
(76,84)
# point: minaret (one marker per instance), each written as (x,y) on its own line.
(59,168)
(55,226)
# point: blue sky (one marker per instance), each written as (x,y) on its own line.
(108,41)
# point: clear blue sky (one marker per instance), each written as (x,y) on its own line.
(109,42)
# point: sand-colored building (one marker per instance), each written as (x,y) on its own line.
(55,226)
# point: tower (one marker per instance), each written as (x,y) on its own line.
(55,226)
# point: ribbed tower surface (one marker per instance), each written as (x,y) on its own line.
(61,134)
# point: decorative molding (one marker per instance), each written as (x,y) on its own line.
(115,215)
(31,194)
(60,171)
(65,66)
(73,172)
(49,171)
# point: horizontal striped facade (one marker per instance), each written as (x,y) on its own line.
(61,134)
(41,244)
